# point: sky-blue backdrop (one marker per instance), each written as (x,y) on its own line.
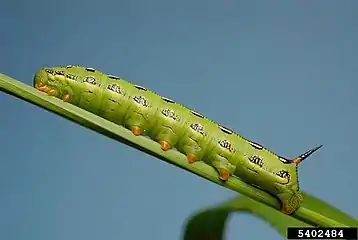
(282,73)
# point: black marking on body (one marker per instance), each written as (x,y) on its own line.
(256,145)
(256,160)
(69,66)
(90,80)
(60,73)
(90,69)
(140,87)
(141,100)
(226,144)
(197,128)
(168,100)
(283,174)
(50,71)
(115,101)
(225,130)
(115,88)
(114,77)
(197,114)
(55,72)
(284,160)
(298,183)
(70,76)
(170,114)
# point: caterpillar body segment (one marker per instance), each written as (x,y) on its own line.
(177,127)
(169,123)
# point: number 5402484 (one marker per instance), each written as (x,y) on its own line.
(322,233)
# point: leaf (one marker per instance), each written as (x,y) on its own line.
(210,224)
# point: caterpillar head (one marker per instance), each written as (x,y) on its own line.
(52,80)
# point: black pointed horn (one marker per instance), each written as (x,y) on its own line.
(303,156)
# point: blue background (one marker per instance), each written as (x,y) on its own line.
(282,73)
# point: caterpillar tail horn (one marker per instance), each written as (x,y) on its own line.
(305,155)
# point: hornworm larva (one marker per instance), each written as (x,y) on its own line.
(175,126)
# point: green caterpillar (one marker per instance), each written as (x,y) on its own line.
(175,126)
